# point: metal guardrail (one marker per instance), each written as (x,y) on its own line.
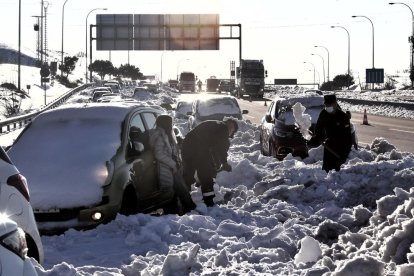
(18,122)
(409,106)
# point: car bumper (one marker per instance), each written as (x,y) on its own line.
(285,146)
(79,218)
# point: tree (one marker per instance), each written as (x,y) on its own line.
(102,68)
(343,81)
(12,101)
(129,71)
(69,64)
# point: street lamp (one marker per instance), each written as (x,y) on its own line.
(63,22)
(162,55)
(323,65)
(373,49)
(313,72)
(328,56)
(319,76)
(86,41)
(349,47)
(178,64)
(411,39)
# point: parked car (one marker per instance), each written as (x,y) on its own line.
(109,98)
(315,91)
(182,108)
(13,250)
(214,108)
(15,203)
(98,94)
(141,89)
(87,166)
(279,134)
(114,86)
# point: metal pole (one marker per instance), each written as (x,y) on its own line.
(328,57)
(41,33)
(63,23)
(86,41)
(323,65)
(411,39)
(19,56)
(349,48)
(314,82)
(90,50)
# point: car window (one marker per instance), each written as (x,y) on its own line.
(149,119)
(137,122)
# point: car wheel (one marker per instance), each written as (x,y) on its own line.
(33,251)
(129,204)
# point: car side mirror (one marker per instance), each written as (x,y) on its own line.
(268,118)
(244,111)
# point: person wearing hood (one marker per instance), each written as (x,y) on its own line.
(333,130)
(164,144)
(204,152)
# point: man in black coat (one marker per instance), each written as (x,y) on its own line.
(204,150)
(333,130)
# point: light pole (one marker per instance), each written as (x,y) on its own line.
(86,41)
(63,23)
(162,55)
(373,41)
(410,39)
(178,64)
(313,72)
(318,46)
(20,54)
(323,65)
(319,76)
(349,48)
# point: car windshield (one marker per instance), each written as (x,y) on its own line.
(313,106)
(183,107)
(218,106)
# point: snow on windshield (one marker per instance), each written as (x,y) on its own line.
(313,106)
(218,106)
(71,148)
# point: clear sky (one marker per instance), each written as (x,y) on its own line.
(282,33)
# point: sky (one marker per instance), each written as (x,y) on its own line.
(271,216)
(282,33)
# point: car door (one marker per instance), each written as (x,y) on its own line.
(141,162)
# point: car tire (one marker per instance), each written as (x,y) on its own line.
(33,250)
(129,203)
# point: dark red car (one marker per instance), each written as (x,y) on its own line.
(279,131)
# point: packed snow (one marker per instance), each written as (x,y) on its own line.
(271,218)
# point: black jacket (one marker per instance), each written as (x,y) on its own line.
(209,139)
(334,129)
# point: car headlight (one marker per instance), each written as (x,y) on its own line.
(105,173)
(15,241)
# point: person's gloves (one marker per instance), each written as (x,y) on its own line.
(226,167)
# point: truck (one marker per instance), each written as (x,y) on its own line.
(212,84)
(187,82)
(250,78)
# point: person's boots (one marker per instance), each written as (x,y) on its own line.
(208,200)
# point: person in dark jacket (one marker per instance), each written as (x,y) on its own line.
(204,151)
(333,130)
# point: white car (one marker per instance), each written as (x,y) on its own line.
(14,203)
(214,108)
(13,250)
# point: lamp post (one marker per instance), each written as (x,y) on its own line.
(411,38)
(63,23)
(86,41)
(178,64)
(20,54)
(319,76)
(373,41)
(323,65)
(313,72)
(349,48)
(318,46)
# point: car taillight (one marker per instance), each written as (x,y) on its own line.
(19,182)
(16,242)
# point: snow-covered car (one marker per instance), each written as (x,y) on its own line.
(214,108)
(279,131)
(13,250)
(114,86)
(105,98)
(15,203)
(87,166)
(98,94)
(182,108)
(140,89)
